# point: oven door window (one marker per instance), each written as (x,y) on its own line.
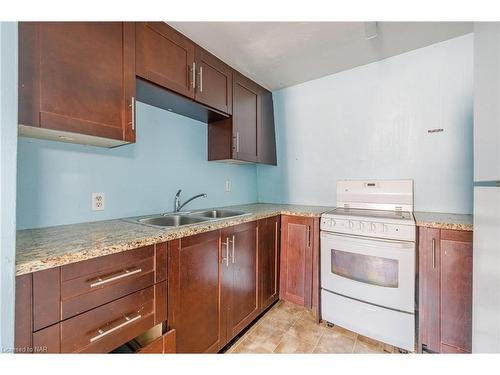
(365,268)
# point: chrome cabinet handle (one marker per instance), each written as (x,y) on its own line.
(132,106)
(433,253)
(232,255)
(226,259)
(125,273)
(237,141)
(308,236)
(201,79)
(102,332)
(193,76)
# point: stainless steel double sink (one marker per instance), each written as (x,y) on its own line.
(177,219)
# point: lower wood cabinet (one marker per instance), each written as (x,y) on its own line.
(445,290)
(268,237)
(239,277)
(299,260)
(194,293)
(92,306)
(220,281)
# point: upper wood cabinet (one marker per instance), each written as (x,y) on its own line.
(247,136)
(77,81)
(445,290)
(214,82)
(165,57)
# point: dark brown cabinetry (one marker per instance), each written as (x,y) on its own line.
(268,237)
(299,260)
(214,82)
(94,305)
(247,136)
(239,277)
(195,293)
(445,290)
(77,81)
(165,57)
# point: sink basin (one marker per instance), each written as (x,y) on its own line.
(217,214)
(172,220)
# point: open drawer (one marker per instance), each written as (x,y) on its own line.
(152,341)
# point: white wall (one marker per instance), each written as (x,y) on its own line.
(372,122)
(8,155)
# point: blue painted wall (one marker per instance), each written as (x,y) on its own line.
(8,144)
(56,180)
(373,122)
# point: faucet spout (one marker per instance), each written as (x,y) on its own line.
(178,205)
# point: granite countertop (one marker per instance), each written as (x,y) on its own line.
(444,221)
(43,248)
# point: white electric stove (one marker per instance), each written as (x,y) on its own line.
(368,261)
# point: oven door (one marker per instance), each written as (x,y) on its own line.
(377,271)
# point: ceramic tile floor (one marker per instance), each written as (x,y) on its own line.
(288,328)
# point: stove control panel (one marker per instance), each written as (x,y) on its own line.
(369,228)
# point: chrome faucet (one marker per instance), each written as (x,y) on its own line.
(177,200)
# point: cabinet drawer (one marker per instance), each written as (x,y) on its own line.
(92,283)
(105,328)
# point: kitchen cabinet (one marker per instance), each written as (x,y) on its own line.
(170,60)
(299,260)
(92,306)
(445,290)
(214,82)
(165,57)
(239,277)
(194,293)
(268,237)
(77,81)
(248,136)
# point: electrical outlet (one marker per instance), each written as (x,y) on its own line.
(228,186)
(97,201)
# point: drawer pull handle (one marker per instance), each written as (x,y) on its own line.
(125,273)
(101,332)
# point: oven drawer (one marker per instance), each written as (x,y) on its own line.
(389,326)
(97,281)
(107,327)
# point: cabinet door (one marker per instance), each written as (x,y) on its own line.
(78,77)
(246,118)
(268,244)
(429,281)
(242,282)
(266,134)
(165,57)
(214,82)
(296,260)
(456,291)
(194,293)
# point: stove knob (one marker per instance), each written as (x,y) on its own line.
(351,224)
(361,226)
(333,222)
(373,227)
(385,228)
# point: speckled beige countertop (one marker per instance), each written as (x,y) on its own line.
(444,221)
(43,248)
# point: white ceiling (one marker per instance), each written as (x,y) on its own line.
(281,54)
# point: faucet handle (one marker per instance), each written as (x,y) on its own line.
(178,193)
